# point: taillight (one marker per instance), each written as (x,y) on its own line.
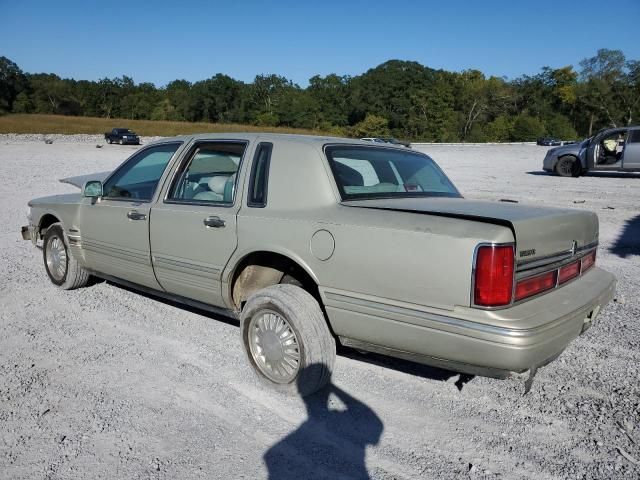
(534,285)
(588,261)
(569,272)
(493,282)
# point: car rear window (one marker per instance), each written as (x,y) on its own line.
(379,172)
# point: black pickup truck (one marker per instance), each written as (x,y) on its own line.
(122,136)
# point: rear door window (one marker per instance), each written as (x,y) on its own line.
(209,175)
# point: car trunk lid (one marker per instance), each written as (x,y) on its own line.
(540,232)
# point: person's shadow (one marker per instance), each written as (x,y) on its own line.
(331,443)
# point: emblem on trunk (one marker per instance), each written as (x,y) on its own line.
(527,253)
(574,247)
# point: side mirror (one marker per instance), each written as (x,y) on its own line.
(92,189)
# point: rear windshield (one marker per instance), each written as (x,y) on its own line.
(363,172)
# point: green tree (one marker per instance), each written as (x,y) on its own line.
(527,129)
(371,126)
(12,83)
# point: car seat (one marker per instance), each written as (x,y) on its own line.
(216,190)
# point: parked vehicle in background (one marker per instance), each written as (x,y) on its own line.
(373,139)
(311,241)
(122,136)
(395,141)
(611,149)
(548,142)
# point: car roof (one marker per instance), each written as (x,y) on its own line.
(318,140)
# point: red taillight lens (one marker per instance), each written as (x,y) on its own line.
(588,261)
(568,272)
(493,285)
(534,285)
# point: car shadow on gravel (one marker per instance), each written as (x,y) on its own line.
(331,442)
(404,366)
(408,367)
(542,173)
(182,306)
(628,242)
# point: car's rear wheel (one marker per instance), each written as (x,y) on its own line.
(61,266)
(568,167)
(287,340)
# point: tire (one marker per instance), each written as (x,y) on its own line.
(262,332)
(109,141)
(568,167)
(120,141)
(66,273)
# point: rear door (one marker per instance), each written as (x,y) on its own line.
(193,228)
(115,228)
(631,155)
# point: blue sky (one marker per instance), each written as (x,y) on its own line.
(159,41)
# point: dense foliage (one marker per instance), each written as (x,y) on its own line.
(401,98)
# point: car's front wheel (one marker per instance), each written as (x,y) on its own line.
(568,167)
(61,266)
(287,340)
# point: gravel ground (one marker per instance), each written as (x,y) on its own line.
(103,382)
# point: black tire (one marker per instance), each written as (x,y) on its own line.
(74,275)
(316,346)
(568,167)
(109,141)
(120,141)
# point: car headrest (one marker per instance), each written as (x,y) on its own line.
(217,183)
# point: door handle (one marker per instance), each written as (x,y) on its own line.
(214,222)
(133,215)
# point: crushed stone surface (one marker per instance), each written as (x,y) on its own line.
(104,382)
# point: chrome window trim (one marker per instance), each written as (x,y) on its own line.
(136,153)
(186,160)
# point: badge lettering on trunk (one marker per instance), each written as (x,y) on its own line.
(574,247)
(527,253)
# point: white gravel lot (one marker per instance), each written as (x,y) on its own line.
(103,382)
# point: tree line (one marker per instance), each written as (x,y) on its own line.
(400,98)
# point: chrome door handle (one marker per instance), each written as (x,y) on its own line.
(133,215)
(214,222)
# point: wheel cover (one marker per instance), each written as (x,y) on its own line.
(274,346)
(56,255)
(566,167)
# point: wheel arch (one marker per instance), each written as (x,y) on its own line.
(268,268)
(46,221)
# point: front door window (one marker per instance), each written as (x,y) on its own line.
(138,178)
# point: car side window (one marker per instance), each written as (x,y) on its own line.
(138,178)
(259,180)
(634,136)
(209,175)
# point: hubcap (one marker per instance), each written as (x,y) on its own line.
(56,258)
(274,346)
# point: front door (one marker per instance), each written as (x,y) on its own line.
(193,229)
(115,227)
(631,156)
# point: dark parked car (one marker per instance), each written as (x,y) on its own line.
(548,142)
(122,136)
(611,149)
(395,141)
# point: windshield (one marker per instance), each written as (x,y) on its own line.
(378,172)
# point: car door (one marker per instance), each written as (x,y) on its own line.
(193,229)
(115,227)
(631,154)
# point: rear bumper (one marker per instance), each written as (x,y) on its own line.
(493,343)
